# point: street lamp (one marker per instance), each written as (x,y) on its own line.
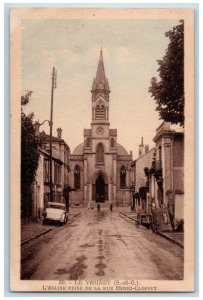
(37,125)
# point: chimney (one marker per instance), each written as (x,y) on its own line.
(59,133)
(141,147)
(146,148)
(36,126)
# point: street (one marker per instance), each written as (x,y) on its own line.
(101,245)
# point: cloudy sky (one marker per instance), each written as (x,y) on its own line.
(130,51)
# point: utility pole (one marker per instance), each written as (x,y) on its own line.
(53,86)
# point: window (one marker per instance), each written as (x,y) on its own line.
(122,177)
(159,158)
(57,173)
(97,112)
(100,112)
(112,143)
(88,142)
(100,153)
(77,177)
(46,170)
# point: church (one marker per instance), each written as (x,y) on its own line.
(100,167)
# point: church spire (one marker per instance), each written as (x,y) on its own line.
(100,81)
(100,77)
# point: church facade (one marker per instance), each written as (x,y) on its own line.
(100,167)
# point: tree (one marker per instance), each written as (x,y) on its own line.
(29,158)
(168,92)
(25,98)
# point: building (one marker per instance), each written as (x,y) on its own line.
(60,171)
(166,178)
(143,161)
(100,166)
(159,178)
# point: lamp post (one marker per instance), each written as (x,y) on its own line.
(53,86)
(37,125)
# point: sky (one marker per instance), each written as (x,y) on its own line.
(130,51)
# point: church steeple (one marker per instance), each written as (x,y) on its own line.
(100,77)
(100,82)
(100,94)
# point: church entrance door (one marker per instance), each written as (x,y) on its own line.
(100,190)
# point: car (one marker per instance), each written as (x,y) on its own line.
(55,212)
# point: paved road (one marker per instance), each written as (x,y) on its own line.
(101,245)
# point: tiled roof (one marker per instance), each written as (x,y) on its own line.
(45,138)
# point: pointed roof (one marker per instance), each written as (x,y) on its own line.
(100,81)
(100,70)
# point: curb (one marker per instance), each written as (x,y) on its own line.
(159,233)
(170,239)
(36,236)
(127,216)
(43,232)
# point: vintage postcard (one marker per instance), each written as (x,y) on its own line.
(102,150)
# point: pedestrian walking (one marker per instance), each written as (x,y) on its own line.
(111,207)
(98,207)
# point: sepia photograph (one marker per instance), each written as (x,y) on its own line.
(102,150)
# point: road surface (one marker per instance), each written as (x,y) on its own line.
(101,245)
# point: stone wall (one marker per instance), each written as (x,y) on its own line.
(123,197)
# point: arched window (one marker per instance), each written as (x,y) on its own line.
(97,110)
(77,177)
(100,153)
(122,177)
(102,112)
(112,143)
(88,142)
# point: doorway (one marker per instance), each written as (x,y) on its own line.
(100,190)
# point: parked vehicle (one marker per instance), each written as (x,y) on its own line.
(55,212)
(144,220)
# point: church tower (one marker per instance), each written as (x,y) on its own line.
(100,141)
(100,95)
(99,165)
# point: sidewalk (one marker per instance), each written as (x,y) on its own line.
(31,231)
(175,237)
